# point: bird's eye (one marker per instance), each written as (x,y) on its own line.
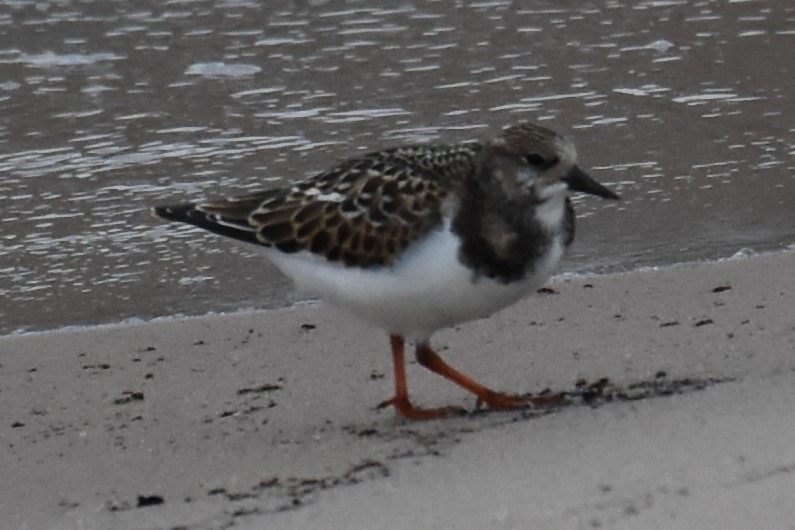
(538,161)
(534,159)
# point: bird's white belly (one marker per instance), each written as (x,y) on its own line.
(426,290)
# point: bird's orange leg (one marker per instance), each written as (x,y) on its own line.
(496,400)
(401,400)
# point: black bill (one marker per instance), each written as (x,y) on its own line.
(579,180)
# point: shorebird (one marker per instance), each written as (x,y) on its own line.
(418,238)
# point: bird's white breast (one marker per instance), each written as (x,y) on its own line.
(426,290)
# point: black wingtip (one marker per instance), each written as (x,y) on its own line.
(190,213)
(174,212)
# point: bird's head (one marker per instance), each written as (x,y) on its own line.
(532,161)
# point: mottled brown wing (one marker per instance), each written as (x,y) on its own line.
(361,213)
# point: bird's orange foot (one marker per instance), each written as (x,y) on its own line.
(499,400)
(405,409)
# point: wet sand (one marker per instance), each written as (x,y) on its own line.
(265,419)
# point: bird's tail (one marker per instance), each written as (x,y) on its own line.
(192,214)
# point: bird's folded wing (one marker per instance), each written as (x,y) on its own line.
(361,213)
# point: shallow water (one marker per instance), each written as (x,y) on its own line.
(685,108)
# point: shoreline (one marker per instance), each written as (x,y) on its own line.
(266,418)
(557,278)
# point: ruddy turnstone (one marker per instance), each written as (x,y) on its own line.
(417,238)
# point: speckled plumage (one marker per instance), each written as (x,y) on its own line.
(420,237)
(361,213)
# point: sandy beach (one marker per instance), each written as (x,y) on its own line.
(676,382)
(266,419)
